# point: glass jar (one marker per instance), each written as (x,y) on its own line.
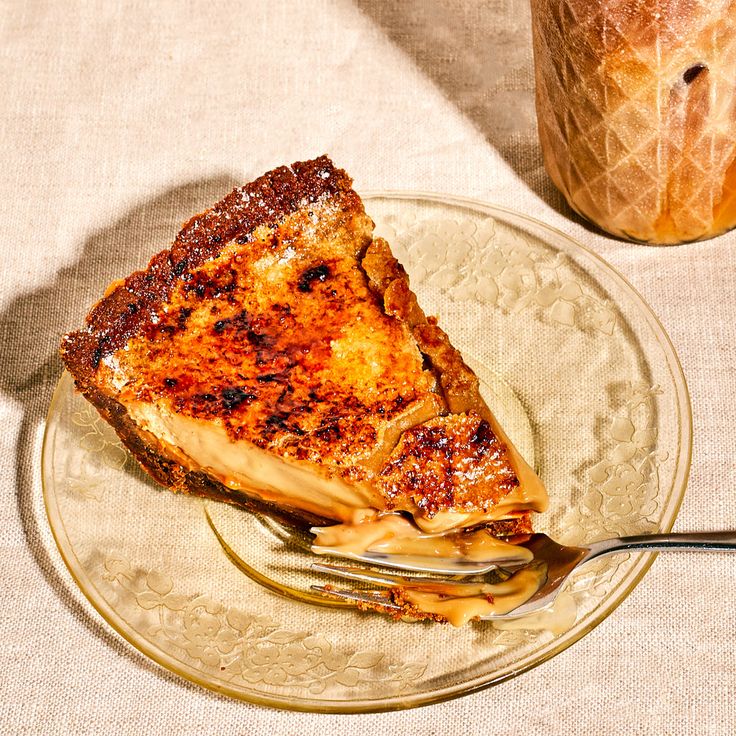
(636,108)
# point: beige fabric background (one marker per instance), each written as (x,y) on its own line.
(121,118)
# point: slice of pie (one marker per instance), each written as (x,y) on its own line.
(275,357)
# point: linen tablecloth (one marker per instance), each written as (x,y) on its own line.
(119,118)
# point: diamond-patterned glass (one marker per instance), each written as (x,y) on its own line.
(636,104)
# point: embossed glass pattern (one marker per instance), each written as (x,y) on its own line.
(579,372)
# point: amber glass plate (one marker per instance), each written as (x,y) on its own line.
(579,371)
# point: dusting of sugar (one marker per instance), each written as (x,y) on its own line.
(287,255)
(117,378)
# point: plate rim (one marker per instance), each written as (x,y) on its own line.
(625,587)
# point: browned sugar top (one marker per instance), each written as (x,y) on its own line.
(451,462)
(281,340)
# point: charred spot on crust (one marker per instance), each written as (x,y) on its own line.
(268,378)
(97,355)
(329,433)
(239,322)
(234,397)
(691,74)
(179,267)
(258,339)
(206,285)
(483,437)
(183,316)
(167,325)
(318,273)
(278,422)
(99,351)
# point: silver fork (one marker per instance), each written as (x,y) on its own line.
(304,539)
(559,561)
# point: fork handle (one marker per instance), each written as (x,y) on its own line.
(661,542)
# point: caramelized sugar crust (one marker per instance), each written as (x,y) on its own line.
(263,203)
(281,340)
(453,461)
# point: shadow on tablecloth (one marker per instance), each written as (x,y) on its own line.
(480,56)
(30,333)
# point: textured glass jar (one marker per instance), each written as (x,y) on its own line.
(636,106)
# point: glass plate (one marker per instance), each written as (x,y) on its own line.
(580,373)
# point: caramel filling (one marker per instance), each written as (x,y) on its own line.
(309,487)
(479,600)
(243,466)
(395,534)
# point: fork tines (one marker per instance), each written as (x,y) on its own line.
(372,598)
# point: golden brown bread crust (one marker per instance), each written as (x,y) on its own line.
(201,331)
